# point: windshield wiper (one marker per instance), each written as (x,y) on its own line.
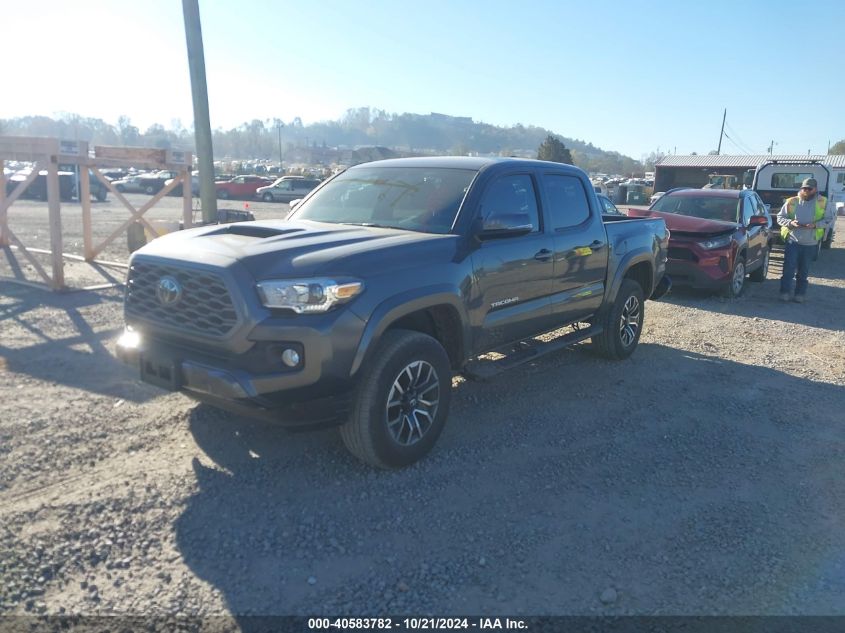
(372,224)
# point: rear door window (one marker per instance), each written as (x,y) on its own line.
(568,204)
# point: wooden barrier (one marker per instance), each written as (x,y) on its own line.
(48,154)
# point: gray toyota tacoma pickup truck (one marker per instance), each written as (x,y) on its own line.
(385,280)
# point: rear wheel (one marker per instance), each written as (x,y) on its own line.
(622,323)
(761,273)
(736,285)
(149,189)
(222,194)
(402,402)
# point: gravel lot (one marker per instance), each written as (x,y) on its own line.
(701,476)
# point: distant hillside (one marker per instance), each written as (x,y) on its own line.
(399,134)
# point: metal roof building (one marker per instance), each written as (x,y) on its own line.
(693,171)
(747,161)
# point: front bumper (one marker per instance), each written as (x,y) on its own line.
(316,392)
(699,268)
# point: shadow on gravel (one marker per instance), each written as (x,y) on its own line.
(68,340)
(822,310)
(671,478)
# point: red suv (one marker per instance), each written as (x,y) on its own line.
(718,237)
(240,186)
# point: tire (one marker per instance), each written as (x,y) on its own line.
(761,273)
(413,371)
(149,189)
(622,323)
(736,285)
(268,197)
(222,194)
(120,188)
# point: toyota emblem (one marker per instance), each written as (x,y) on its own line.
(169,291)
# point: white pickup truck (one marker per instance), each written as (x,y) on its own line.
(775,181)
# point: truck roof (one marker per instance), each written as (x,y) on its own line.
(458,162)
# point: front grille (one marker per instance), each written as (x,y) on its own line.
(205,306)
(682,253)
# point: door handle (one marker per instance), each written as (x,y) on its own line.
(597,244)
(543,255)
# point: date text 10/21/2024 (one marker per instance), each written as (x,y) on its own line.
(421,623)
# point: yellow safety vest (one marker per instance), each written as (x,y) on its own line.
(792,205)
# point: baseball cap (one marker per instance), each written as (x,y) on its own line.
(810,182)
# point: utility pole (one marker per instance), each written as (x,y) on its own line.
(722,133)
(771,146)
(279,124)
(202,120)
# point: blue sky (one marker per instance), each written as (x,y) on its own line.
(627,76)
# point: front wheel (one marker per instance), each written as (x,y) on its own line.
(268,197)
(761,273)
(402,401)
(149,189)
(736,285)
(622,324)
(222,194)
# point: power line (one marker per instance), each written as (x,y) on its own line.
(744,151)
(738,140)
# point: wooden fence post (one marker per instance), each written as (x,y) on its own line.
(85,201)
(54,206)
(4,218)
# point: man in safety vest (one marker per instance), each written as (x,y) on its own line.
(803,220)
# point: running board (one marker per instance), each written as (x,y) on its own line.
(526,351)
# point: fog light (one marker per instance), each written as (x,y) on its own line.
(290,357)
(129,339)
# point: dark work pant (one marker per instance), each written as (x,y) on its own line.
(796,265)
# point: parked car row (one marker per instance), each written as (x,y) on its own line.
(284,189)
(37,189)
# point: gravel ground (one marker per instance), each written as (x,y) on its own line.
(701,476)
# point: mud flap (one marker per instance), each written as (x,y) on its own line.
(662,288)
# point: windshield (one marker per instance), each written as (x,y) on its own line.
(705,207)
(422,199)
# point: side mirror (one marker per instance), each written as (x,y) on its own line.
(758,220)
(294,203)
(505,225)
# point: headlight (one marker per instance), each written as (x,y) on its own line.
(716,242)
(307,295)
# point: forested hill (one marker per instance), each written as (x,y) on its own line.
(259,139)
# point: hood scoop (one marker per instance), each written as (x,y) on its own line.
(248,229)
